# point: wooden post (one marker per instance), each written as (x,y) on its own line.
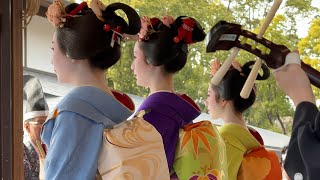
(11,144)
(17,71)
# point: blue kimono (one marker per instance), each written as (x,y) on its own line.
(73,133)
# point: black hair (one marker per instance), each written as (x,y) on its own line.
(83,37)
(232,84)
(161,49)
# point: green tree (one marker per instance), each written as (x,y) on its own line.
(309,48)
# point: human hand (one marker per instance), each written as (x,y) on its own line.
(294,82)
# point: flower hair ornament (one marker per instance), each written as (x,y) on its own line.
(167,20)
(153,25)
(244,70)
(216,64)
(145,25)
(187,29)
(57,15)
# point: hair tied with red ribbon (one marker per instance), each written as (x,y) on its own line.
(57,15)
(185,31)
(117,34)
(78,9)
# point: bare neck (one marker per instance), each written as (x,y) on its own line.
(230,116)
(161,82)
(91,77)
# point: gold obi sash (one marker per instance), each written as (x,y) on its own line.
(133,150)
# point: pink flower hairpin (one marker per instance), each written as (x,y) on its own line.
(167,20)
(215,65)
(56,13)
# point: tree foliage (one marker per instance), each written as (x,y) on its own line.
(271,106)
(309,47)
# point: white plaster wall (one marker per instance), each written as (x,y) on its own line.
(39,37)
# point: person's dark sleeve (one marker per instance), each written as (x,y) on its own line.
(303,156)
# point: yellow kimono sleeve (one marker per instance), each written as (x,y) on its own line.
(238,141)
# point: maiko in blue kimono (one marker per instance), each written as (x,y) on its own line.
(86,43)
(73,132)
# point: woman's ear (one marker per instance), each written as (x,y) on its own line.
(150,66)
(157,69)
(27,126)
(223,102)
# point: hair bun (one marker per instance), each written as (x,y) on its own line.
(166,42)
(188,30)
(246,69)
(95,34)
(134,24)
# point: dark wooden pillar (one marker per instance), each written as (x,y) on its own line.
(11,144)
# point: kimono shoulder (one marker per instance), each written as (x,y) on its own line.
(81,116)
(177,107)
(93,104)
(168,113)
(238,141)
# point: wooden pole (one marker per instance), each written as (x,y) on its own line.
(11,136)
(247,88)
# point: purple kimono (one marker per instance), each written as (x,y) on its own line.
(169,112)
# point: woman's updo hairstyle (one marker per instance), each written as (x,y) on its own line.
(232,84)
(165,42)
(92,33)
